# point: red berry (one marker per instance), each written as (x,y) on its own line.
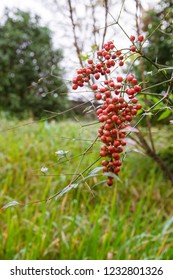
(116,156)
(103,153)
(101,119)
(123,143)
(102,90)
(140,38)
(111,107)
(116,143)
(117,163)
(133,48)
(114,118)
(138,106)
(74,86)
(134,112)
(119,79)
(117,169)
(128,118)
(134,81)
(94,87)
(129,77)
(99,111)
(104,162)
(110,182)
(121,63)
(132,38)
(98,96)
(90,61)
(137,88)
(134,100)
(97,76)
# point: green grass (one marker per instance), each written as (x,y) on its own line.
(131,220)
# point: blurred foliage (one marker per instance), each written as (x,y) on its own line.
(30,73)
(157,23)
(155,70)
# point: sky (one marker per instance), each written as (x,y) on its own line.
(48,17)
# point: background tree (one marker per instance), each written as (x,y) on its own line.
(30,72)
(157,23)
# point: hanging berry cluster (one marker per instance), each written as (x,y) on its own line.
(118,105)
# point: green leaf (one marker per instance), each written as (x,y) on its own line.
(94,47)
(84,57)
(164,115)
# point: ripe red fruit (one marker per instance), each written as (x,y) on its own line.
(101,119)
(140,38)
(97,76)
(110,182)
(130,91)
(114,56)
(132,38)
(103,153)
(134,81)
(117,169)
(102,90)
(99,53)
(119,79)
(116,143)
(129,77)
(111,149)
(123,143)
(128,118)
(94,87)
(137,88)
(90,61)
(104,162)
(74,86)
(121,99)
(138,106)
(118,53)
(133,48)
(111,107)
(134,100)
(116,156)
(114,118)
(117,163)
(98,96)
(134,112)
(111,84)
(121,63)
(99,111)
(107,57)
(107,133)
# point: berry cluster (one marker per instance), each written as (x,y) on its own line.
(139,40)
(118,105)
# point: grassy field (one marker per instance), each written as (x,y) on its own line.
(131,220)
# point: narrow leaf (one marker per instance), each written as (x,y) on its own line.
(12,203)
(61,152)
(110,174)
(67,189)
(96,170)
(129,129)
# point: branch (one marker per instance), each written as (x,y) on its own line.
(78,51)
